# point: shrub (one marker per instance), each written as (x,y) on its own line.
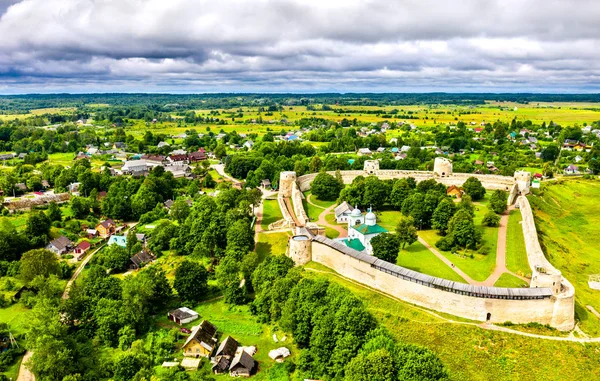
(491,219)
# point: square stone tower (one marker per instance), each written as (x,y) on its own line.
(371,166)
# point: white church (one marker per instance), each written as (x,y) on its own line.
(361,230)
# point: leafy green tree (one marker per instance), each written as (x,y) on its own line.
(161,236)
(386,247)
(326,187)
(37,229)
(406,231)
(115,257)
(400,191)
(462,231)
(376,192)
(180,210)
(12,242)
(38,262)
(80,207)
(126,366)
(416,363)
(53,212)
(190,281)
(442,214)
(315,164)
(228,278)
(498,201)
(473,188)
(240,238)
(144,200)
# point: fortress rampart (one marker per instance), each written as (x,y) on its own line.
(549,299)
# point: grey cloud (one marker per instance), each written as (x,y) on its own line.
(351,45)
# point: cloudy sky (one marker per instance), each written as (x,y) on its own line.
(299,46)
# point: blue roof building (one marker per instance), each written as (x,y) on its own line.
(120,240)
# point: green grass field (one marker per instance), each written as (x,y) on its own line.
(271,213)
(516,255)
(312,211)
(272,244)
(509,280)
(418,258)
(480,267)
(567,218)
(470,352)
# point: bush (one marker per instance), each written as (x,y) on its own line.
(445,243)
(491,219)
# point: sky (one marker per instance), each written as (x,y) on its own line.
(198,46)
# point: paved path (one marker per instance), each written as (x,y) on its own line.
(323,222)
(220,168)
(24,372)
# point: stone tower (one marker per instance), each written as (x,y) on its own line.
(371,166)
(523,179)
(300,247)
(442,167)
(286,180)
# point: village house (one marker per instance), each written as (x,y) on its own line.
(571,170)
(265,184)
(163,144)
(454,191)
(225,353)
(178,159)
(197,156)
(106,228)
(60,245)
(81,248)
(119,240)
(140,259)
(202,340)
(342,212)
(364,152)
(242,365)
(153,160)
(182,315)
(179,170)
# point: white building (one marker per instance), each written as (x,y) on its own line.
(342,212)
(361,230)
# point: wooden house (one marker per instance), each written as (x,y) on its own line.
(454,191)
(243,365)
(106,228)
(202,341)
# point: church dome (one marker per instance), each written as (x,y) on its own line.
(370,219)
(356,213)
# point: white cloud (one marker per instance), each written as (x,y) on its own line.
(270,45)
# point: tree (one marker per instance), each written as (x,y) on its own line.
(240,238)
(461,230)
(126,366)
(491,219)
(53,212)
(161,236)
(326,187)
(37,229)
(115,257)
(190,281)
(473,188)
(144,200)
(180,210)
(386,247)
(400,191)
(315,164)
(442,214)
(406,231)
(498,201)
(12,243)
(376,192)
(80,207)
(38,262)
(550,153)
(228,278)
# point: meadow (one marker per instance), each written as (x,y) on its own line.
(567,218)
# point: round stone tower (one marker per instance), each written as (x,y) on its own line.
(300,249)
(442,167)
(523,179)
(371,166)
(286,179)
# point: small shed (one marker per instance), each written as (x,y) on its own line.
(242,365)
(182,315)
(190,363)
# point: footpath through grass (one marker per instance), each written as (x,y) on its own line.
(567,216)
(418,258)
(472,353)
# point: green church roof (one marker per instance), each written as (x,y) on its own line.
(355,244)
(369,229)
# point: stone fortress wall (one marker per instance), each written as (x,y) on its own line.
(549,300)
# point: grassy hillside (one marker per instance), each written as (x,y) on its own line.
(473,353)
(567,218)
